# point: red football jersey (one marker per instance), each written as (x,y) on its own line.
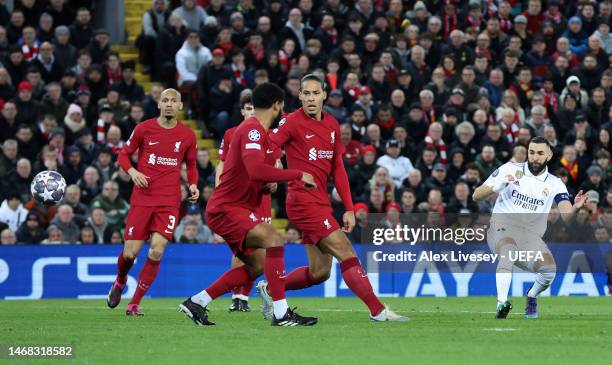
(310,146)
(236,187)
(161,153)
(271,157)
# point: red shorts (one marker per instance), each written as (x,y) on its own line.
(143,221)
(233,223)
(264,212)
(314,221)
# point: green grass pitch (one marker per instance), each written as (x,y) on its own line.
(571,330)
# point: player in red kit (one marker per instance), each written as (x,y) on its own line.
(313,144)
(240,294)
(163,144)
(230,212)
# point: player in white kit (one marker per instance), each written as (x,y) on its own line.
(526,194)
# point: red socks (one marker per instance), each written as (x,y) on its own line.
(123,268)
(299,278)
(357,281)
(238,276)
(146,278)
(274,268)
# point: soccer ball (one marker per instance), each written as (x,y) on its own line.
(48,187)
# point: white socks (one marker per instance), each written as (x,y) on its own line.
(202,298)
(503,280)
(280,308)
(544,277)
(240,296)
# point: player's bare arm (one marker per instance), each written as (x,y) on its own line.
(568,210)
(139,179)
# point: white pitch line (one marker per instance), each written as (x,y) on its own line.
(498,329)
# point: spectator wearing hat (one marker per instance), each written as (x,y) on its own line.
(595,180)
(113,205)
(221,103)
(64,52)
(208,76)
(576,36)
(361,219)
(83,100)
(169,41)
(416,122)
(73,168)
(128,87)
(190,58)
(193,218)
(360,174)
(94,80)
(30,231)
(603,33)
(334,105)
(398,166)
(85,143)
(28,109)
(240,32)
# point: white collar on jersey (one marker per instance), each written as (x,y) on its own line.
(541,177)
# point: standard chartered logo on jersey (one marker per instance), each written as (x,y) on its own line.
(313,154)
(164,161)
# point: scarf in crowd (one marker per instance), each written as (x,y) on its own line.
(239,76)
(113,76)
(115,147)
(550,100)
(512,130)
(386,125)
(571,168)
(430,115)
(505,24)
(101,131)
(353,92)
(30,53)
(450,24)
(259,54)
(474,22)
(333,34)
(284,61)
(439,146)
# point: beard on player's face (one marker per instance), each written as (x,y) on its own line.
(536,167)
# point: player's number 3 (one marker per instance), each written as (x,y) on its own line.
(172,220)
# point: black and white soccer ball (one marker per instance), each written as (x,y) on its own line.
(48,187)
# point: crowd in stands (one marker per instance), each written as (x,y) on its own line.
(431,96)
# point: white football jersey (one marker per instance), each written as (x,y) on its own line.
(526,201)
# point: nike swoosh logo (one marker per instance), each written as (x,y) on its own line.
(269,151)
(166,231)
(309,136)
(152,143)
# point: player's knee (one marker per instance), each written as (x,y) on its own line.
(129,254)
(320,275)
(547,274)
(156,253)
(256,269)
(275,239)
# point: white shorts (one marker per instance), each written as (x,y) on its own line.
(525,241)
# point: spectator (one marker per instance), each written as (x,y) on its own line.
(8,121)
(72,198)
(595,181)
(190,58)
(88,236)
(397,166)
(61,13)
(192,228)
(73,168)
(55,236)
(89,184)
(64,222)
(486,162)
(53,103)
(294,29)
(30,231)
(152,22)
(206,170)
(12,211)
(19,182)
(85,143)
(7,237)
(46,63)
(64,52)
(192,15)
(128,87)
(97,221)
(8,160)
(170,41)
(81,31)
(28,109)
(74,121)
(114,206)
(438,181)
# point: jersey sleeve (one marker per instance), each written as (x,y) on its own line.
(498,174)
(561,192)
(282,134)
(339,172)
(132,144)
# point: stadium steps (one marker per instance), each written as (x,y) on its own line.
(134,9)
